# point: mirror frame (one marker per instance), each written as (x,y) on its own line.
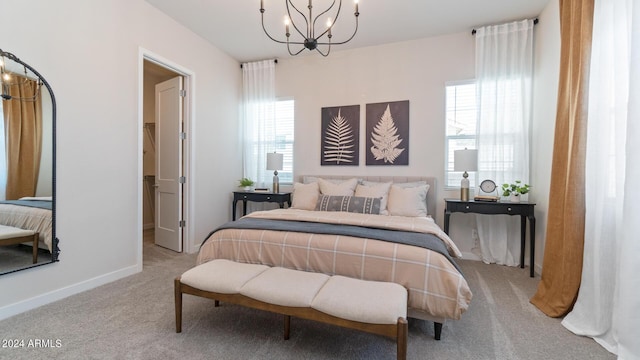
(55,250)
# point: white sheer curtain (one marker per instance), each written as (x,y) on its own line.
(504,67)
(608,304)
(258,80)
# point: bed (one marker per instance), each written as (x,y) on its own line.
(387,243)
(33,213)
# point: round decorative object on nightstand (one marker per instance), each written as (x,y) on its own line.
(488,186)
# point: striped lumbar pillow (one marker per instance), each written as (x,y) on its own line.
(354,204)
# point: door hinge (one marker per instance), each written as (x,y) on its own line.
(183,136)
(182,223)
(182,180)
(183,93)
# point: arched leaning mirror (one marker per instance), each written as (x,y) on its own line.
(27,167)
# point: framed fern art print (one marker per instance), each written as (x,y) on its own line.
(340,140)
(388,133)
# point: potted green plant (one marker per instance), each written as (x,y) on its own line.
(514,190)
(246,183)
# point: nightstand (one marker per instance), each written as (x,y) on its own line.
(258,196)
(524,209)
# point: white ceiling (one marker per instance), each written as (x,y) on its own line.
(234,25)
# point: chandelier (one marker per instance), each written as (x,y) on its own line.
(307,33)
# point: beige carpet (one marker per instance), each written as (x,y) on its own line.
(133,318)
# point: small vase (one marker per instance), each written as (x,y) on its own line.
(514,197)
(247,188)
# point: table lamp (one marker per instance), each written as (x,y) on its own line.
(465,160)
(274,162)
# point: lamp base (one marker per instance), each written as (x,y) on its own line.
(464,187)
(464,194)
(276,182)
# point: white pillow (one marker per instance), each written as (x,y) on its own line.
(408,201)
(305,196)
(345,188)
(375,190)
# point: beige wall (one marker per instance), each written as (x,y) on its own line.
(90,52)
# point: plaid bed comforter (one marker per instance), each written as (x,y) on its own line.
(436,288)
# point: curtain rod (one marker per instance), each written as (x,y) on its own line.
(274,60)
(535,21)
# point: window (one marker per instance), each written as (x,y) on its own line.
(284,138)
(276,136)
(461,116)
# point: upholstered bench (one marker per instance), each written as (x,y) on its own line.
(13,236)
(370,306)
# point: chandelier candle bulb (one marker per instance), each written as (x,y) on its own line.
(356,6)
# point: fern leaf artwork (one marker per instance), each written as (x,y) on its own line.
(385,139)
(338,141)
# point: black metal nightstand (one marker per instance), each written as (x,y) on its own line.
(524,209)
(259,196)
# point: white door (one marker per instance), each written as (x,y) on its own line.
(169,180)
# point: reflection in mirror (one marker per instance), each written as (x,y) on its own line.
(27,167)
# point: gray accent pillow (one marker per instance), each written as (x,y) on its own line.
(354,204)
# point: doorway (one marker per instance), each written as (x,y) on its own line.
(158,207)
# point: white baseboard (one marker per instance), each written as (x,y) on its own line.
(58,294)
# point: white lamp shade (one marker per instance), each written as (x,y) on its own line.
(465,160)
(274,161)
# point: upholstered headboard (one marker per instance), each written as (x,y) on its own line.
(431,194)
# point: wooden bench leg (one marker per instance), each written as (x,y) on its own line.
(287,326)
(403,332)
(178,294)
(437,327)
(35,248)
